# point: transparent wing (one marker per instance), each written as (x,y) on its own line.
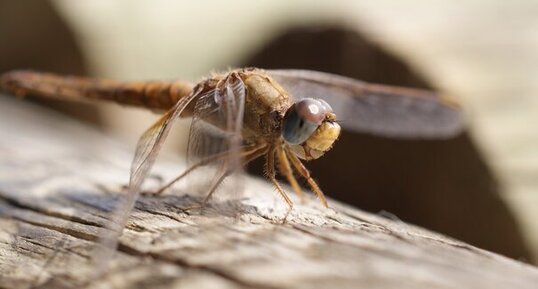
(216,129)
(147,149)
(377,109)
(206,135)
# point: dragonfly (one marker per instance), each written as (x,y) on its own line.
(287,116)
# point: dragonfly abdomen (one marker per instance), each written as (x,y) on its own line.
(156,95)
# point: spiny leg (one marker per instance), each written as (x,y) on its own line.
(286,170)
(225,171)
(205,161)
(296,162)
(220,176)
(190,169)
(270,173)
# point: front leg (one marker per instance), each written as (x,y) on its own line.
(306,174)
(271,175)
(286,170)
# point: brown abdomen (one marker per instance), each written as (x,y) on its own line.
(156,95)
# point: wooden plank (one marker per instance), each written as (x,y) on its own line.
(59,179)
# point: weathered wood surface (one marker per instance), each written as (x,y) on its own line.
(58,179)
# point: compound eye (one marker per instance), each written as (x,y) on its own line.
(302,119)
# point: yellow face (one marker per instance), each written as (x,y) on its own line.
(310,128)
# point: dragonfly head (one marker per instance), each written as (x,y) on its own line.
(310,128)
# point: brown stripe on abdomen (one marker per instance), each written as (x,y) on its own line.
(156,95)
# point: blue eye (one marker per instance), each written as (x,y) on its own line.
(302,119)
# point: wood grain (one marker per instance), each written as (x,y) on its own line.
(59,179)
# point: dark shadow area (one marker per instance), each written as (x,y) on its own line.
(33,36)
(443,185)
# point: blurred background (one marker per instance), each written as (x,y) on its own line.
(481,187)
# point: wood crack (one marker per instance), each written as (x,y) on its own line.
(62,230)
(183,264)
(154,212)
(21,205)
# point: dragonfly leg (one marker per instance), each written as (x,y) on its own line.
(296,162)
(225,171)
(202,162)
(270,173)
(286,170)
(221,175)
